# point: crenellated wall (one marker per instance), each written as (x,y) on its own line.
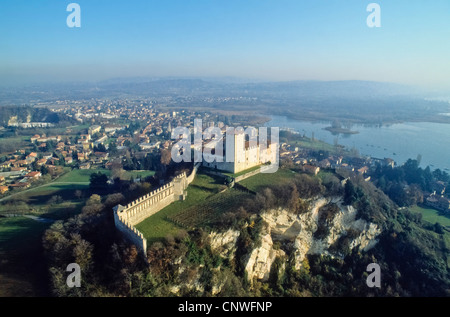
(126,217)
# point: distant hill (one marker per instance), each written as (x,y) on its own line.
(350,101)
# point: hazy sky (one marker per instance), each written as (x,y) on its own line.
(265,39)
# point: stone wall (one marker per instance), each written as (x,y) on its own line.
(127,217)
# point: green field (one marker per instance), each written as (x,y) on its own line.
(259,181)
(208,212)
(243,172)
(22,266)
(80,176)
(432,216)
(157,227)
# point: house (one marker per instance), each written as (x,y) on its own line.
(84,138)
(102,155)
(60,146)
(87,146)
(363,170)
(5,164)
(94,129)
(33,175)
(439,187)
(440,203)
(3,189)
(41,162)
(311,169)
(80,157)
(20,185)
(85,166)
(2,180)
(101,140)
(389,162)
(31,157)
(325,163)
(68,160)
(34,138)
(149,146)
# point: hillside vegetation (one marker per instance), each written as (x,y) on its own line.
(257,245)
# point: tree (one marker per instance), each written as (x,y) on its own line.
(350,194)
(98,182)
(94,200)
(166,157)
(78,194)
(56,199)
(100,148)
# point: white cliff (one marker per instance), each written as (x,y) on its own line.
(298,230)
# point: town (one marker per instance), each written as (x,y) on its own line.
(127,135)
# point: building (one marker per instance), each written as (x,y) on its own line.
(3,189)
(33,175)
(85,166)
(363,170)
(440,203)
(94,129)
(20,185)
(35,138)
(242,154)
(81,157)
(311,169)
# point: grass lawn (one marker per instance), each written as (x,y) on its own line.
(81,176)
(431,215)
(137,174)
(259,181)
(208,212)
(22,265)
(157,227)
(242,172)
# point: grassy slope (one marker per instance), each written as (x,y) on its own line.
(431,215)
(156,227)
(22,267)
(261,180)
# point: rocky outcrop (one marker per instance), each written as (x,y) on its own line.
(286,235)
(224,242)
(298,231)
(260,260)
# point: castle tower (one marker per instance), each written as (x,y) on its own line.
(239,148)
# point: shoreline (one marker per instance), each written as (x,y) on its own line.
(340,130)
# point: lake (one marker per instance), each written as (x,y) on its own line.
(399,141)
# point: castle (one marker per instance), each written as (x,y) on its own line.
(241,154)
(126,217)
